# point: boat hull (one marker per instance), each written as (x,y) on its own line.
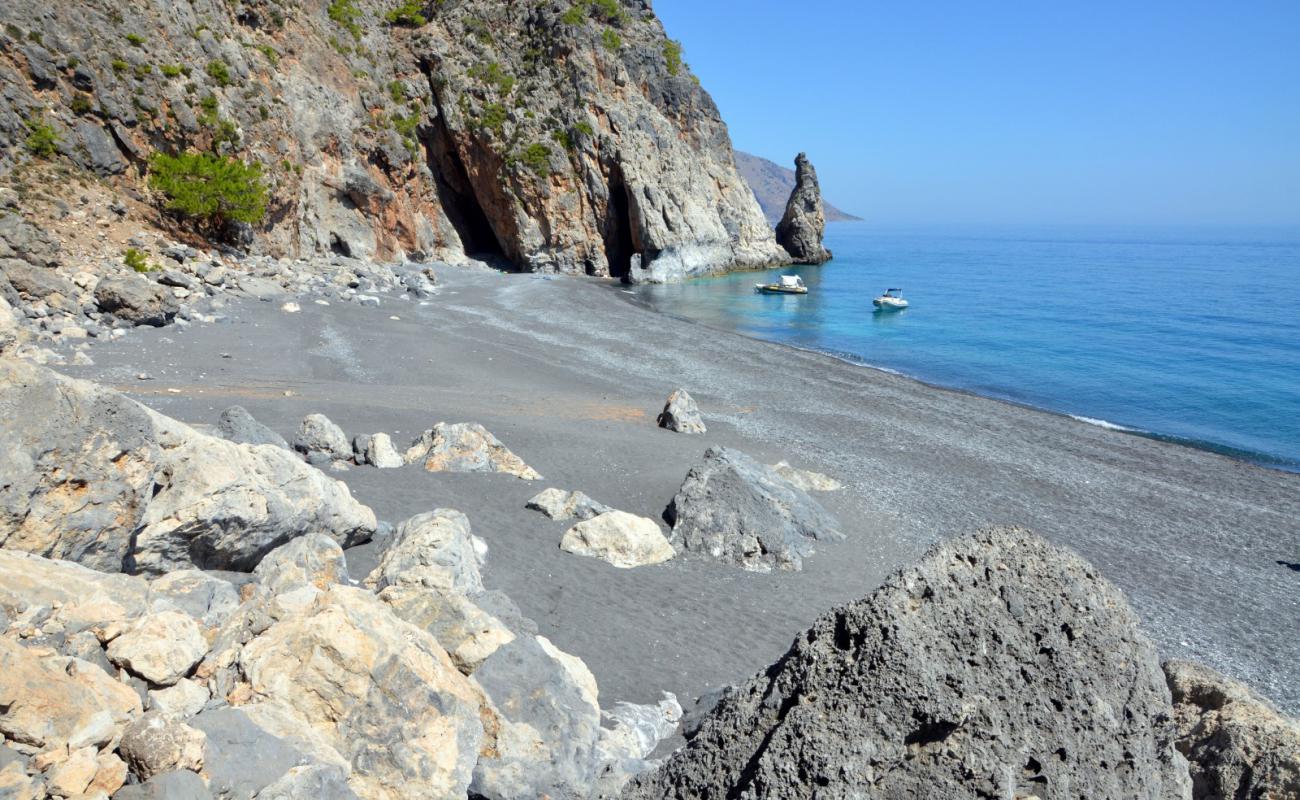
(769,289)
(883,304)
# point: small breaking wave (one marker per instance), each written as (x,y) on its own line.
(1101,423)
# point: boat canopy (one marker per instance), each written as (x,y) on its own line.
(791,281)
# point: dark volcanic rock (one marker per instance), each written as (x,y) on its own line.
(732,508)
(801,229)
(998,667)
(1236,742)
(237,425)
(136,300)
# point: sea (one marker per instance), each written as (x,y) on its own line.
(1185,334)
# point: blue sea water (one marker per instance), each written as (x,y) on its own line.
(1186,334)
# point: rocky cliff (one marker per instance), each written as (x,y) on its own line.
(564,136)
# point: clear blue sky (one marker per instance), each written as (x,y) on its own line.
(1009,112)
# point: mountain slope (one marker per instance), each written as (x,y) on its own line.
(772,184)
(561,136)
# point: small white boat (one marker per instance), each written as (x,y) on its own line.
(790,284)
(890,301)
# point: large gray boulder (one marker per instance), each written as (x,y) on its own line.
(136,300)
(803,225)
(1237,744)
(732,508)
(239,426)
(466,447)
(240,758)
(92,477)
(321,441)
(998,666)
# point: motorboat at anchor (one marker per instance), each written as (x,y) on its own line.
(789,284)
(889,301)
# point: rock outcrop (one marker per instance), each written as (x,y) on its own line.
(466,447)
(803,225)
(999,666)
(320,441)
(239,426)
(772,184)
(622,539)
(681,414)
(556,137)
(136,300)
(732,508)
(93,477)
(1237,744)
(562,505)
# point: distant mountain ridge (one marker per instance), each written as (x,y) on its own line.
(772,184)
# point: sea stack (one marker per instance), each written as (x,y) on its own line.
(801,229)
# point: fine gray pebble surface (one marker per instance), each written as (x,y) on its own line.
(570,375)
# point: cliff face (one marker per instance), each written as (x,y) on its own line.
(558,136)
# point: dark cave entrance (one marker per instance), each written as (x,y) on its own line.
(456,195)
(619,244)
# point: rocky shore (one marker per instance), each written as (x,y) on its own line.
(228,547)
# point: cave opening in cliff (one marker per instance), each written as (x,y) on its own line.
(619,244)
(457,197)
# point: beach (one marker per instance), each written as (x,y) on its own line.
(569,374)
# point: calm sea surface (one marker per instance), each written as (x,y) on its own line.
(1186,334)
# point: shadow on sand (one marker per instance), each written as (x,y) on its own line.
(1294,567)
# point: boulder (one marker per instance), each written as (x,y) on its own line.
(435,550)
(237,425)
(803,225)
(680,414)
(1236,743)
(135,300)
(182,700)
(380,692)
(377,450)
(998,666)
(207,599)
(805,479)
(428,574)
(321,441)
(155,744)
(169,786)
(466,447)
(10,333)
(162,648)
(77,598)
(311,560)
(732,508)
(98,479)
(49,701)
(311,782)
(561,505)
(73,776)
(622,539)
(548,726)
(240,758)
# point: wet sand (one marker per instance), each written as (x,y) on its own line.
(570,376)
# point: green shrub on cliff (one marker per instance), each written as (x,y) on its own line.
(42,141)
(611,39)
(346,13)
(219,71)
(494,118)
(209,189)
(136,260)
(673,56)
(537,157)
(408,15)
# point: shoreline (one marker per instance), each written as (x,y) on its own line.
(571,383)
(1254,458)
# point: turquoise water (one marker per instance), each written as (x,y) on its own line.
(1191,335)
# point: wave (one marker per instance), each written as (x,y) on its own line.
(1101,423)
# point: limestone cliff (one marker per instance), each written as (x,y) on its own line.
(561,136)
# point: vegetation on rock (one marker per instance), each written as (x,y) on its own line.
(41,141)
(209,189)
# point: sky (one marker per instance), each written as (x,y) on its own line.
(1015,111)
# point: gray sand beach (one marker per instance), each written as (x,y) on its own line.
(570,375)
